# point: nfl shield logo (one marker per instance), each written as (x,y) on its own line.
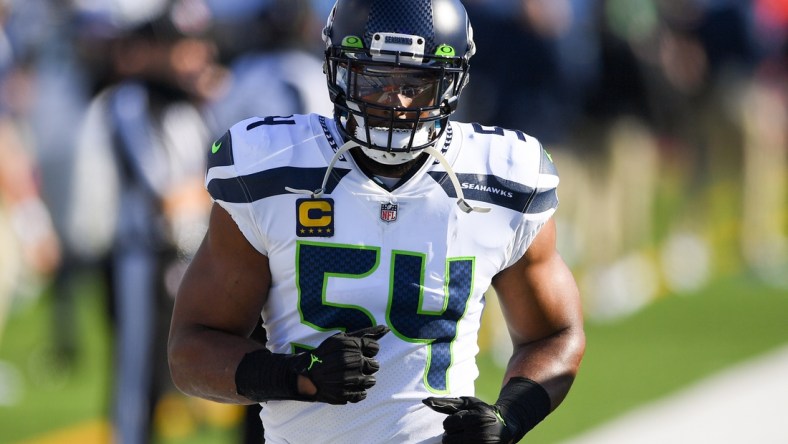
(388,212)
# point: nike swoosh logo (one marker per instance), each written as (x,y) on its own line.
(215,147)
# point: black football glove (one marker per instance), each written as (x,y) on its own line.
(343,366)
(470,420)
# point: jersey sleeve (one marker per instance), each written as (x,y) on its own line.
(540,205)
(226,187)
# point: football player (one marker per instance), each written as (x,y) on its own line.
(367,241)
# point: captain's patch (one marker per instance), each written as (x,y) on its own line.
(315,217)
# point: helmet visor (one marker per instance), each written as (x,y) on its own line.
(403,87)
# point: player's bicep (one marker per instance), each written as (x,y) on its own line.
(226,283)
(538,294)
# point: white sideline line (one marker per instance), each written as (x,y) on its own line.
(745,404)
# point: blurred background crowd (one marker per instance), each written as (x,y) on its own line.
(667,119)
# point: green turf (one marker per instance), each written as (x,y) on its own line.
(672,343)
(55,395)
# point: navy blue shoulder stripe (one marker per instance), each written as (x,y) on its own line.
(541,202)
(221,153)
(253,187)
(494,190)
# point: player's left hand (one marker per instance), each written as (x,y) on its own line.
(470,420)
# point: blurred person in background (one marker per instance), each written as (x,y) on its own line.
(62,85)
(149,118)
(29,245)
(273,67)
(552,53)
(764,116)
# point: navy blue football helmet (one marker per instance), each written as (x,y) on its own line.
(395,70)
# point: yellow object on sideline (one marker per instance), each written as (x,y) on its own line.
(90,432)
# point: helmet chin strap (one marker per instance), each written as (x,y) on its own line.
(461,202)
(320,191)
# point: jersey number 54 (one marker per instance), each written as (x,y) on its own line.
(317,262)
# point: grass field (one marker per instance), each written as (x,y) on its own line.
(675,341)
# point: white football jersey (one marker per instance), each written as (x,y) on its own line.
(364,254)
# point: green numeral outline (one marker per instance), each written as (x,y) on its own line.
(406,276)
(342,249)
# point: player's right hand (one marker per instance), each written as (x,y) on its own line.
(343,366)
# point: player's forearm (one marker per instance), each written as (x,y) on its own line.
(203,363)
(552,361)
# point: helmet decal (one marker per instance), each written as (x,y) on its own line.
(445,51)
(352,41)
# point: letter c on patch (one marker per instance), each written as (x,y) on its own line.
(315,213)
